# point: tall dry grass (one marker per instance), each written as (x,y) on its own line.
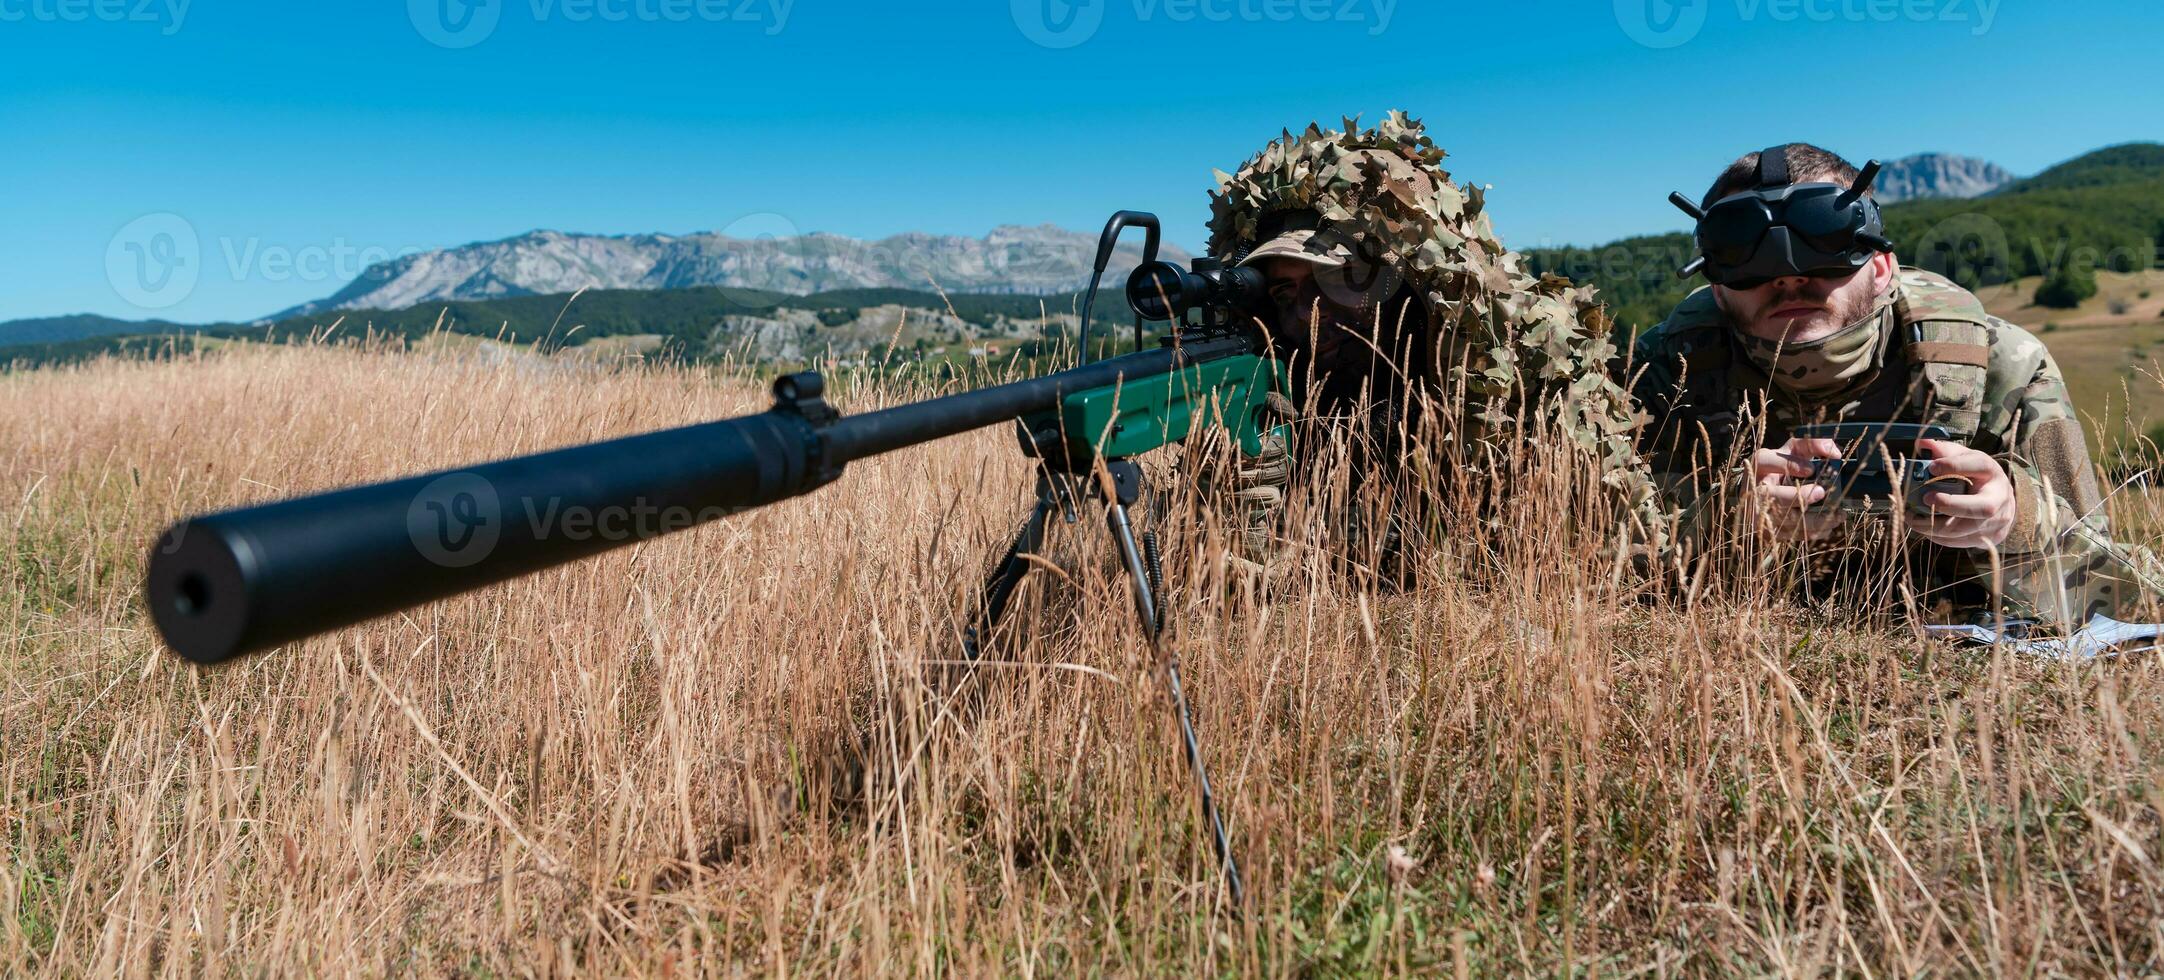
(642,763)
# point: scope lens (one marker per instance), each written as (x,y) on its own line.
(1242,288)
(1157,291)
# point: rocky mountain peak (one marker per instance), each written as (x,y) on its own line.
(1938,175)
(1039,260)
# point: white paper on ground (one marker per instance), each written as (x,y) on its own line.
(2104,635)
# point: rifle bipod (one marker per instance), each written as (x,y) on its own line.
(1119,487)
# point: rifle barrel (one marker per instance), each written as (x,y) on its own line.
(243,580)
(861,436)
(249,579)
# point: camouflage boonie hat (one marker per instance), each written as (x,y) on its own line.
(1300,238)
(1382,195)
(1346,268)
(1293,221)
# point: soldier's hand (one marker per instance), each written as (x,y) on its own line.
(1782,501)
(1980,518)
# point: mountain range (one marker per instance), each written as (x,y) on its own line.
(2102,199)
(1012,259)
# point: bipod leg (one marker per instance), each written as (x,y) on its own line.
(1053,493)
(1125,481)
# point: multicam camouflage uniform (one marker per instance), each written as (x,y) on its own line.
(1940,359)
(1522,351)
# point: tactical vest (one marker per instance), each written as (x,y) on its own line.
(1933,370)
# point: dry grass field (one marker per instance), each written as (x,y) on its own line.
(629,766)
(2109,348)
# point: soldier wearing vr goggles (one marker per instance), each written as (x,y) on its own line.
(1808,318)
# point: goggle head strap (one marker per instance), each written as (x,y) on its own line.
(1773,167)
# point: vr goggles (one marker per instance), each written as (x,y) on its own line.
(1820,230)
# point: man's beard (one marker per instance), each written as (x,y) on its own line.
(1329,339)
(1841,309)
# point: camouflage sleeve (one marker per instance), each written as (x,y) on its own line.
(1651,373)
(1655,374)
(2044,450)
(2061,562)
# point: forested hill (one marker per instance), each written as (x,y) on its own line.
(2102,210)
(58,329)
(693,324)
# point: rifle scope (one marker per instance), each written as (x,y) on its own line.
(1164,291)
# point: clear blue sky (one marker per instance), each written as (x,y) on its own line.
(295,139)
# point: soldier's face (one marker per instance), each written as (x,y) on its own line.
(1308,321)
(1800,309)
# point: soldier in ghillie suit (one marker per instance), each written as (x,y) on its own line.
(1401,315)
(1810,319)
